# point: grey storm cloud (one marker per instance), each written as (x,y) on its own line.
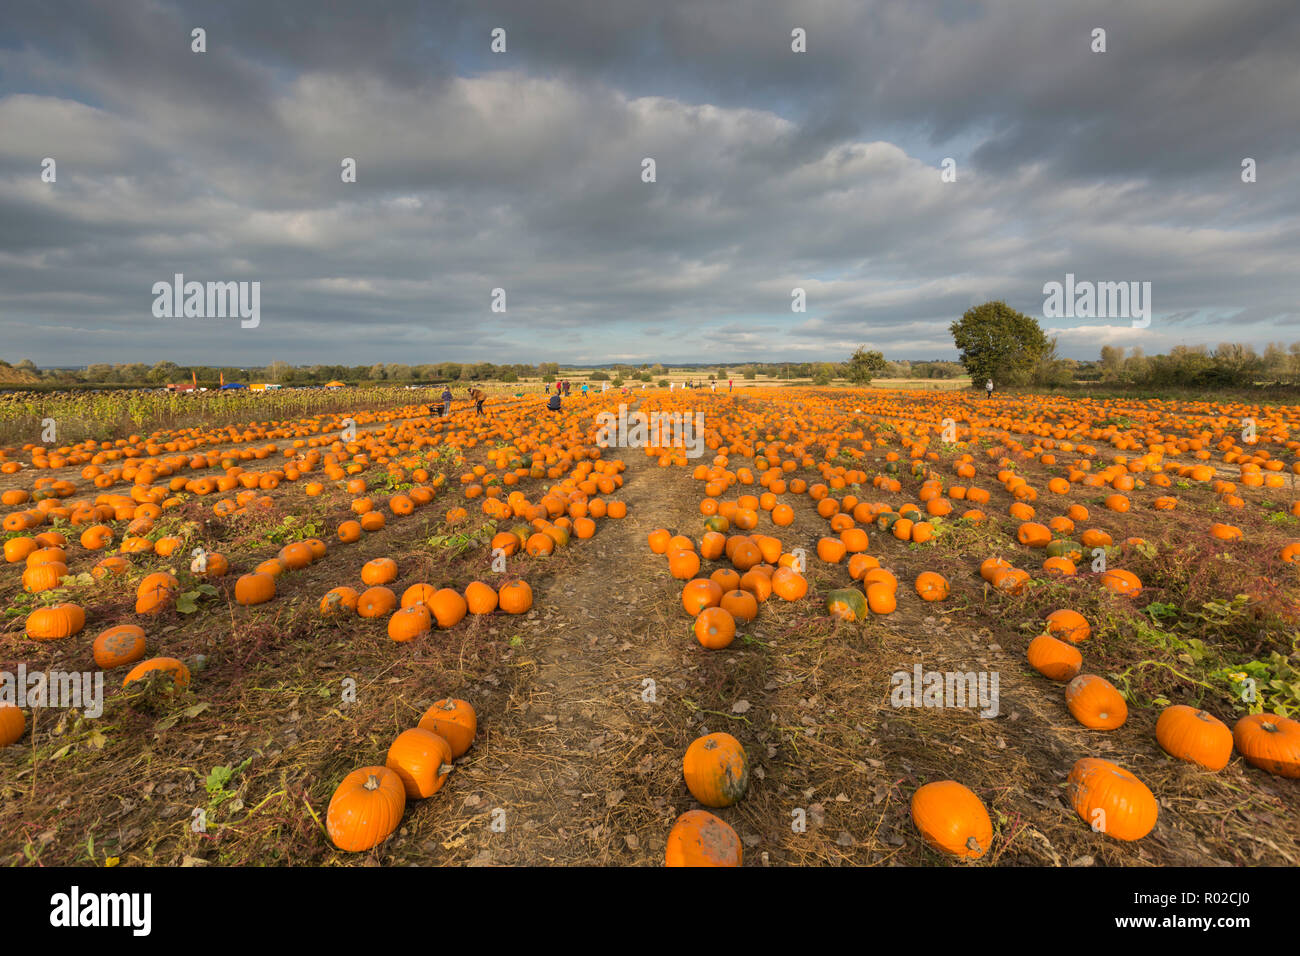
(522,171)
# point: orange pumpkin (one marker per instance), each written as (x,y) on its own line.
(952,819)
(409,623)
(256,588)
(715,628)
(455,721)
(699,838)
(1269,742)
(515,597)
(168,667)
(716,770)
(932,586)
(1112,800)
(1195,736)
(421,758)
(1055,660)
(55,623)
(13,723)
(480,598)
(365,809)
(1095,703)
(376,602)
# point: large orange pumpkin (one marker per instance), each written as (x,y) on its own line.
(1269,742)
(952,819)
(365,809)
(1195,736)
(1112,800)
(699,838)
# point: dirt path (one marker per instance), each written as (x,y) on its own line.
(573,769)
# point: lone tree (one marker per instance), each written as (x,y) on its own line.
(863,365)
(998,342)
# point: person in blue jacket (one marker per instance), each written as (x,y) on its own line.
(446,401)
(553,403)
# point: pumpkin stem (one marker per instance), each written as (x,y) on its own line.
(372,782)
(973,844)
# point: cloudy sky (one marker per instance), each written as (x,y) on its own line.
(523,170)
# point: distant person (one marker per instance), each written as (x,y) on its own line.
(584,389)
(567,385)
(446,401)
(553,403)
(731,383)
(713,386)
(988,389)
(479,396)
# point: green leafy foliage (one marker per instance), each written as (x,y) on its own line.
(998,342)
(294,528)
(863,365)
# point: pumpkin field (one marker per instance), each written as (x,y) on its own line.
(863,626)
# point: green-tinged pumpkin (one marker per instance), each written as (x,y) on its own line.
(1065,548)
(847,604)
(716,770)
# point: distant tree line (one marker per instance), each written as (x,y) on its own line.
(995,342)
(1230,364)
(143,375)
(161,373)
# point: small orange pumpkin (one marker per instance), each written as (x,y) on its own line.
(1094,702)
